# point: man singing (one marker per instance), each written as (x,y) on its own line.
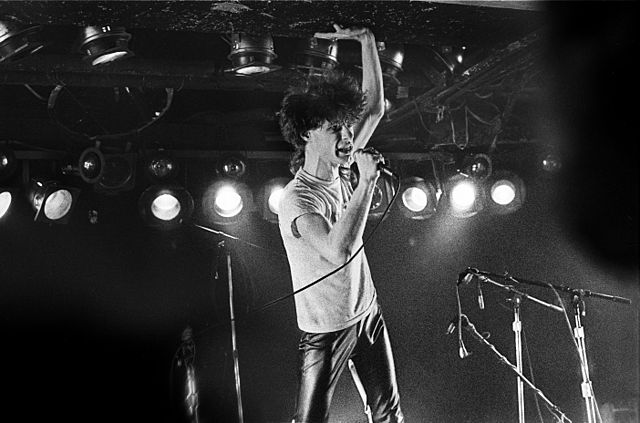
(322,219)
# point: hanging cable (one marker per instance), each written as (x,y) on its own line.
(309,285)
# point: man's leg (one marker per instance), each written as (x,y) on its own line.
(373,360)
(323,357)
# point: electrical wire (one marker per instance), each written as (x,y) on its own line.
(533,380)
(309,285)
(35,93)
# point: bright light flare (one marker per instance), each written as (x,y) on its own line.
(165,207)
(503,192)
(5,202)
(228,202)
(57,205)
(274,199)
(463,196)
(415,199)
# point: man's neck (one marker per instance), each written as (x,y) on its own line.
(320,169)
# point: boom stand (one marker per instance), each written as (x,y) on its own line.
(577,296)
(234,346)
(517,330)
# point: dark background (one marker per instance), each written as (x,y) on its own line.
(91,315)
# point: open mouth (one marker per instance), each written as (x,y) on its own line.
(344,151)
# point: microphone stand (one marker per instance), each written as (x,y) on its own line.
(517,329)
(472,329)
(234,346)
(577,301)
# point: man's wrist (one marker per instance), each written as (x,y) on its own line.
(366,36)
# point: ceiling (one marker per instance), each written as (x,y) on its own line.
(176,93)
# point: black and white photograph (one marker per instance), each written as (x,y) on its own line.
(319,211)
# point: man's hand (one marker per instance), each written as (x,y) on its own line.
(367,160)
(354,33)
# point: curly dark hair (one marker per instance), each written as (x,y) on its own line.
(335,97)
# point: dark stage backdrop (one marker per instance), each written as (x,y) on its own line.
(91,316)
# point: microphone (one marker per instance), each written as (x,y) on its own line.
(385,169)
(453,324)
(480,296)
(466,276)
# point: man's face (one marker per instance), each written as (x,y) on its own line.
(335,142)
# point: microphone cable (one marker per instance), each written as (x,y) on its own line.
(309,285)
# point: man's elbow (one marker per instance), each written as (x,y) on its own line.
(339,256)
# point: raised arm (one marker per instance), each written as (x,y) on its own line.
(372,84)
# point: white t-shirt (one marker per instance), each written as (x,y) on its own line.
(343,298)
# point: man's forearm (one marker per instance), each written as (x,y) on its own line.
(372,83)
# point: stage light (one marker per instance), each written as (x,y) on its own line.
(478,166)
(8,163)
(466,197)
(419,198)
(105,44)
(52,201)
(161,166)
(507,192)
(227,201)
(551,162)
(382,195)
(5,201)
(91,165)
(18,41)
(251,54)
(270,195)
(315,56)
(391,58)
(165,206)
(232,167)
(119,173)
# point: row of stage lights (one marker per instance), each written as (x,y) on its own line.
(229,199)
(250,54)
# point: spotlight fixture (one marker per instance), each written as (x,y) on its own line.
(466,197)
(6,196)
(8,163)
(270,195)
(105,44)
(478,166)
(551,162)
(232,167)
(161,166)
(391,58)
(165,206)
(507,192)
(227,201)
(315,56)
(91,165)
(419,198)
(18,41)
(52,201)
(382,196)
(251,54)
(119,173)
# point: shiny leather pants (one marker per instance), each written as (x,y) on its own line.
(323,357)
